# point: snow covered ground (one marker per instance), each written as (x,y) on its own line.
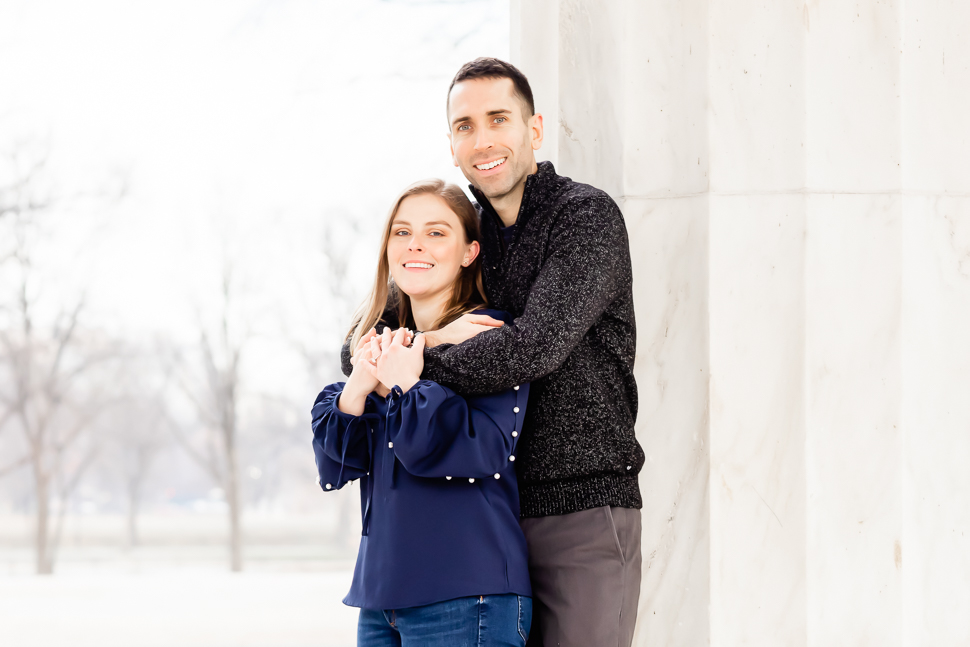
(187,608)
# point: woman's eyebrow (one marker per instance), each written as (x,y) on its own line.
(439,222)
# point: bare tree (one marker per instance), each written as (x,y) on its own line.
(209,377)
(134,433)
(48,360)
(319,344)
(46,366)
(328,301)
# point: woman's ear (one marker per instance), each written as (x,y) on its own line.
(471,253)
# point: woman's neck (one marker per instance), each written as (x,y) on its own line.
(427,311)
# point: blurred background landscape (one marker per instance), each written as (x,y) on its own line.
(190,197)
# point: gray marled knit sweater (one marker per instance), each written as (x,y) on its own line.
(566,278)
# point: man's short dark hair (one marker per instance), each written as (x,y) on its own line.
(493,68)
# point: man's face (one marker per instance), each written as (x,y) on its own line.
(492,140)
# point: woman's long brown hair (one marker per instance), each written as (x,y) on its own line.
(467,294)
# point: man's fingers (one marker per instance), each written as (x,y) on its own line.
(485,320)
(385,339)
(399,336)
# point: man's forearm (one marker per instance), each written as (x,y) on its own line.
(565,301)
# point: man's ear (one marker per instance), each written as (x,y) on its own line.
(471,254)
(535,127)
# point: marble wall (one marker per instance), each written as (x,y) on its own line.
(795,177)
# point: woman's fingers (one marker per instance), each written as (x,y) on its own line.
(399,336)
(418,344)
(362,346)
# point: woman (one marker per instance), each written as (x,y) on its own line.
(442,559)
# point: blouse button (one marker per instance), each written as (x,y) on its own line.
(389,445)
(497,476)
(512,458)
(329,486)
(514,434)
(447,478)
(629,467)
(515,409)
(516,388)
(471,480)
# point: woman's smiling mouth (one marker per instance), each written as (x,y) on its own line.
(415,265)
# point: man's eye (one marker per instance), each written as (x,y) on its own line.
(463,127)
(499,120)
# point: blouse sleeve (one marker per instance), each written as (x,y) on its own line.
(341,442)
(436,432)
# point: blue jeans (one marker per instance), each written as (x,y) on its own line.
(480,621)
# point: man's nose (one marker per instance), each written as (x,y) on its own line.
(483,140)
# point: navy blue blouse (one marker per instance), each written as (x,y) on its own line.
(439,498)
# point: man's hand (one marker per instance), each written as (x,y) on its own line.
(461,329)
(398,364)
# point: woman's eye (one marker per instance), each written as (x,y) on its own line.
(402,232)
(435,233)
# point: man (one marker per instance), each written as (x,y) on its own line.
(556,256)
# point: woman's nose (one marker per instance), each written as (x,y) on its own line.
(414,244)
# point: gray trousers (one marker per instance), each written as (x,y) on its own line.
(585,570)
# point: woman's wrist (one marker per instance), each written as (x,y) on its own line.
(352,399)
(407,382)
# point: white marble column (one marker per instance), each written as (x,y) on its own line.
(795,177)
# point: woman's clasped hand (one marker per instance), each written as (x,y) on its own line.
(390,359)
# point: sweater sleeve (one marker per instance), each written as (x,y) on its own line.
(588,265)
(341,442)
(437,433)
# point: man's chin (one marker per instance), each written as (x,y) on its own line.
(492,190)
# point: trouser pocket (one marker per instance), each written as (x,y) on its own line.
(616,537)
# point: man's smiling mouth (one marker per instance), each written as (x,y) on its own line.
(490,165)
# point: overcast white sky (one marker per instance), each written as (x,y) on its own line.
(267,115)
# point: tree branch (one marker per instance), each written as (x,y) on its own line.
(14,466)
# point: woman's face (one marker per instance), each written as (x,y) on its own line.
(426,249)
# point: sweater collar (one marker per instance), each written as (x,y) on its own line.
(545,175)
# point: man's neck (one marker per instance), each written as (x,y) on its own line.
(507,206)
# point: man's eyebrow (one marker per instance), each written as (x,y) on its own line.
(501,111)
